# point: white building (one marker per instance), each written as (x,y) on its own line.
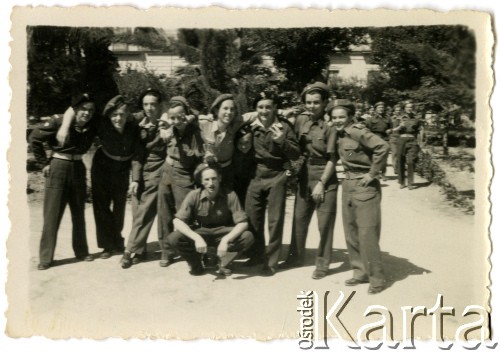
(138,58)
(354,64)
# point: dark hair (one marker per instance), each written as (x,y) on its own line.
(150,91)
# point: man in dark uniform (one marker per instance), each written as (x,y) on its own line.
(317,188)
(394,137)
(379,124)
(210,216)
(66,177)
(275,144)
(362,153)
(410,129)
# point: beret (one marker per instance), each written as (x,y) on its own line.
(81,99)
(314,86)
(266,95)
(340,103)
(379,103)
(180,100)
(150,91)
(113,104)
(221,98)
(202,167)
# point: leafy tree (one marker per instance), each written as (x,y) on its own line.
(431,64)
(303,53)
(148,37)
(63,61)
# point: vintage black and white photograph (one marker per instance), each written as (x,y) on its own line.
(220,175)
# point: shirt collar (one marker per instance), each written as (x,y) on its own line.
(258,123)
(146,123)
(204,194)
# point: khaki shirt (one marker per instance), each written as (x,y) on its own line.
(361,151)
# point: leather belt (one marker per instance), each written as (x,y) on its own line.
(117,158)
(316,161)
(67,156)
(354,175)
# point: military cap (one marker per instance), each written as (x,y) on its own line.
(150,91)
(174,101)
(379,103)
(113,104)
(266,95)
(81,99)
(218,101)
(316,86)
(202,167)
(340,103)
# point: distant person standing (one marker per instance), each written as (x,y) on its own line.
(379,125)
(65,177)
(410,130)
(393,133)
(362,154)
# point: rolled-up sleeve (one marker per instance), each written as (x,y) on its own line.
(186,211)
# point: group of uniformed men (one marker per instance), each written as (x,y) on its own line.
(210,180)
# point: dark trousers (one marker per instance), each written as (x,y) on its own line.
(66,184)
(362,222)
(144,207)
(266,190)
(393,144)
(175,184)
(110,181)
(303,211)
(212,236)
(407,158)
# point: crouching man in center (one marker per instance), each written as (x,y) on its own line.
(210,216)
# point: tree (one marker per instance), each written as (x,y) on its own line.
(431,64)
(63,61)
(303,53)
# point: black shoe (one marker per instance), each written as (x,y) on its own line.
(354,282)
(375,290)
(268,270)
(290,264)
(197,270)
(85,258)
(106,253)
(43,266)
(254,261)
(126,261)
